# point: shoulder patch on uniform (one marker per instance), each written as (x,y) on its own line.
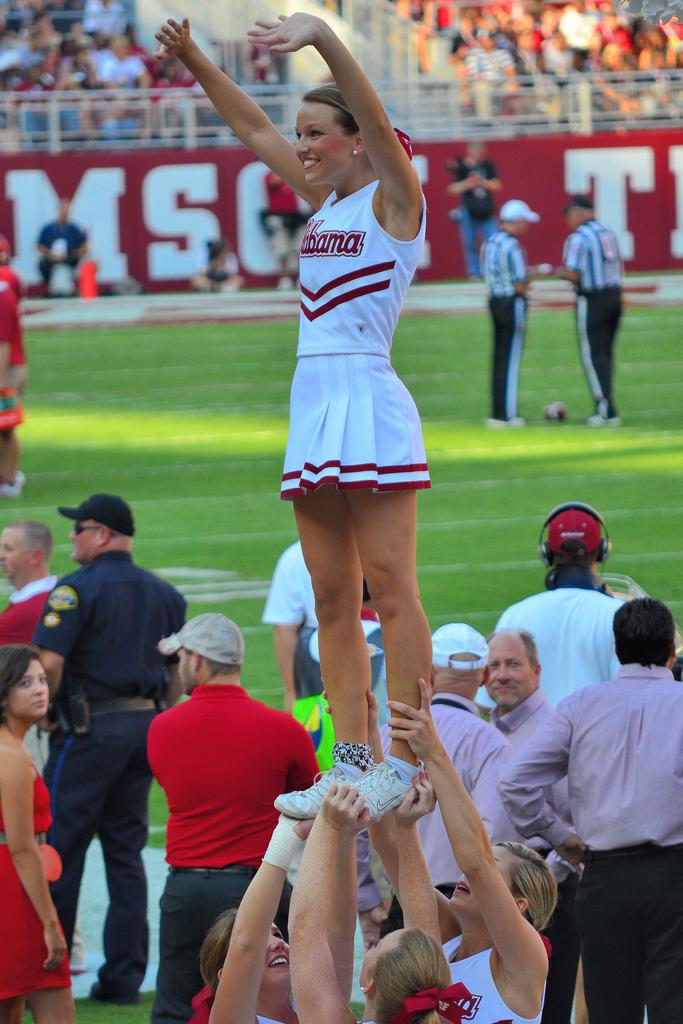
(51,620)
(63,599)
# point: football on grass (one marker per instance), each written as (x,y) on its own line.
(556,411)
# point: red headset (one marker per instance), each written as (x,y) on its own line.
(605,546)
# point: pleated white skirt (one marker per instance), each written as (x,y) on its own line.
(352,424)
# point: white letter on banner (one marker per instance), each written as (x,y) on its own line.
(197,183)
(676,168)
(94,207)
(610,170)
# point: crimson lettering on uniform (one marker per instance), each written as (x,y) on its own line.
(331,243)
(469,1006)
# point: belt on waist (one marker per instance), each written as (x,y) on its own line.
(231,869)
(641,850)
(102,707)
(40,838)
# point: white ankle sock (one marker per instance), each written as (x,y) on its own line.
(405,771)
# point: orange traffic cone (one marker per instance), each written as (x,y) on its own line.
(87,281)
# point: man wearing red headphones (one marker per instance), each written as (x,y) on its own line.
(571,620)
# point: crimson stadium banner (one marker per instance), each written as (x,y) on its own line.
(149,213)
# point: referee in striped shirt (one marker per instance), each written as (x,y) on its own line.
(506,274)
(592,262)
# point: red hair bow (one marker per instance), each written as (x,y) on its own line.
(405,141)
(445,1001)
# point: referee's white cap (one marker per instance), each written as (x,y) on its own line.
(517,209)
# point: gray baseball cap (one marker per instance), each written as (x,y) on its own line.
(212,635)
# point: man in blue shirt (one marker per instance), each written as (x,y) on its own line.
(60,242)
(98,639)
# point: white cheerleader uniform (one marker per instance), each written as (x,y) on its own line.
(353,423)
(485,1004)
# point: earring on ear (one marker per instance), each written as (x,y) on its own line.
(354,152)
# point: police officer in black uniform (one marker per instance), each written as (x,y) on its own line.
(98,638)
(505,270)
(592,262)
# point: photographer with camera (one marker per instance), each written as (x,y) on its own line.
(221,273)
(475,179)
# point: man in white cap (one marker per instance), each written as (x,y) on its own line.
(507,276)
(221,758)
(478,751)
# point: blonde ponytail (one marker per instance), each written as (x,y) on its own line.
(416,963)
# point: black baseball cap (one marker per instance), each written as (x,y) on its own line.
(108,509)
(579,203)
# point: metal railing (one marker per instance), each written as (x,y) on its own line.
(427,109)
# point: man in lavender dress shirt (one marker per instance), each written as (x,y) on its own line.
(620,745)
(514,685)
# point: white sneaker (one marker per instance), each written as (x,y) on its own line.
(305,803)
(382,788)
(514,421)
(8,490)
(602,421)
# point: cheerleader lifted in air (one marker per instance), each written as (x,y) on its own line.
(355,456)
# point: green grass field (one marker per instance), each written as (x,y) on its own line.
(189,424)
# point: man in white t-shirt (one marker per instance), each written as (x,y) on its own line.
(290,610)
(571,620)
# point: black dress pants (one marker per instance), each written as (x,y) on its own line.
(190,903)
(630,915)
(597,319)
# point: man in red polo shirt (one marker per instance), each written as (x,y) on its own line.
(221,758)
(25,549)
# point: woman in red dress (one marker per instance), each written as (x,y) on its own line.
(33,958)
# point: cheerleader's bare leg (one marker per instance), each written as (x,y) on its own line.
(385,531)
(330,551)
(12,1010)
(343,535)
(52,1006)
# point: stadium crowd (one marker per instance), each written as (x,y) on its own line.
(508,39)
(79,45)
